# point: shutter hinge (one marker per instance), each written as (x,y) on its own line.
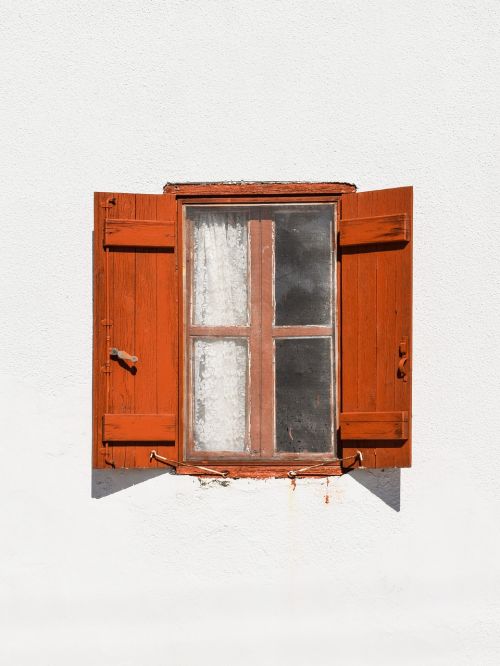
(106,369)
(107,322)
(108,203)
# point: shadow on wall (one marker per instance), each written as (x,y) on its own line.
(109,481)
(383,483)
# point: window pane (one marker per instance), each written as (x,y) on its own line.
(303,395)
(303,266)
(220,371)
(220,267)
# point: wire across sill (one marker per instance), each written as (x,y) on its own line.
(263,470)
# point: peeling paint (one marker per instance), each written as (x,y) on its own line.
(207,483)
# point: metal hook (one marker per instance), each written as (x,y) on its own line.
(123,355)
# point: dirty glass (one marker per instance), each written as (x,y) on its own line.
(303,265)
(303,395)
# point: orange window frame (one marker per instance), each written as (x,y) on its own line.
(267,462)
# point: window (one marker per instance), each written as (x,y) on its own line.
(260,285)
(253,329)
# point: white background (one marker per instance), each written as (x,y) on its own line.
(123,96)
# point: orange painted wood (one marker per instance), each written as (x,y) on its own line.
(139,233)
(375,315)
(261,471)
(375,302)
(122,314)
(143,311)
(101,206)
(272,199)
(301,331)
(255,338)
(377,229)
(267,383)
(374,425)
(139,427)
(256,188)
(262,334)
(146,344)
(168,325)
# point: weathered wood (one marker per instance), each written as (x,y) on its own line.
(261,471)
(301,331)
(374,425)
(139,427)
(256,188)
(169,299)
(375,317)
(143,317)
(376,296)
(371,230)
(139,233)
(122,314)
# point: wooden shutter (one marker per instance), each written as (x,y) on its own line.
(376,294)
(135,311)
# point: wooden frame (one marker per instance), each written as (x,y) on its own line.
(238,194)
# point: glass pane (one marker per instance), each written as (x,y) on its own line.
(220,267)
(303,266)
(220,371)
(303,395)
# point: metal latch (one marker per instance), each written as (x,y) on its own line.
(403,359)
(123,355)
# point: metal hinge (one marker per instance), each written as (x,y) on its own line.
(108,203)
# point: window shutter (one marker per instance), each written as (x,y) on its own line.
(376,294)
(135,312)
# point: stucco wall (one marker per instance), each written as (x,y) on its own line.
(122,96)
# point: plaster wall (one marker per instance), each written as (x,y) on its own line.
(119,569)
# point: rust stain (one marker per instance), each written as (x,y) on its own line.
(327,496)
(294,483)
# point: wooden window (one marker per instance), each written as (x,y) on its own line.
(271,323)
(260,351)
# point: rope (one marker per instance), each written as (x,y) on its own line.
(292,473)
(295,472)
(175,463)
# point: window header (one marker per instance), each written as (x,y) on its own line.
(227,188)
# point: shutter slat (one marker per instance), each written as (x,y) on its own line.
(139,427)
(139,233)
(377,229)
(374,425)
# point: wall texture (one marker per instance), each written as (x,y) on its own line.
(119,569)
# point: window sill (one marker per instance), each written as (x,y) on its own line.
(262,471)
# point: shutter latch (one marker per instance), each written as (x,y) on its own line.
(403,359)
(122,355)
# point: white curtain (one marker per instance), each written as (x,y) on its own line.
(220,298)
(220,386)
(220,268)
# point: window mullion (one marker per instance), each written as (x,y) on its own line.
(267,355)
(255,331)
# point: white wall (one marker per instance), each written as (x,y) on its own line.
(122,96)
